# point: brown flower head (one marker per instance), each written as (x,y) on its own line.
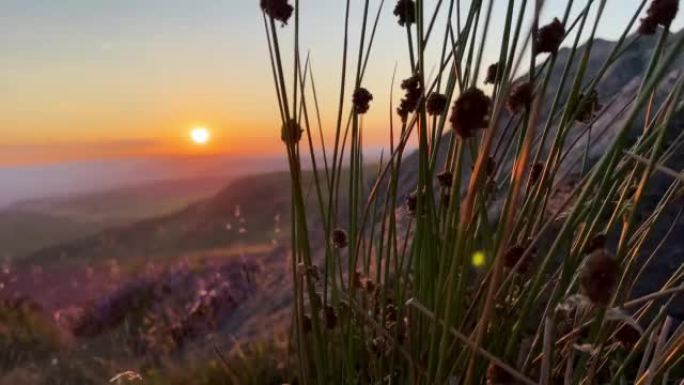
(359,279)
(520,97)
(405,11)
(549,37)
(660,12)
(361,100)
(513,255)
(291,132)
(277,9)
(339,238)
(535,173)
(493,75)
(445,199)
(330,317)
(627,335)
(414,89)
(516,254)
(598,276)
(316,301)
(445,178)
(315,273)
(648,26)
(588,106)
(412,203)
(490,166)
(598,241)
(498,376)
(470,112)
(436,104)
(369,285)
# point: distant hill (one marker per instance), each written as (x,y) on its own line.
(246,210)
(126,204)
(30,225)
(24,182)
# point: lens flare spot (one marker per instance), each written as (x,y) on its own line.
(479,258)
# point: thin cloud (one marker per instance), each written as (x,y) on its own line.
(32,153)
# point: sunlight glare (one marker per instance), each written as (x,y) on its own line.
(200,135)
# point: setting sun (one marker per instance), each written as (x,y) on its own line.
(200,135)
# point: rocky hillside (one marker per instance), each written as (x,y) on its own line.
(616,90)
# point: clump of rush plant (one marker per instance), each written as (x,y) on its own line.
(507,250)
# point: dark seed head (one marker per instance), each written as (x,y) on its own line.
(535,173)
(490,166)
(598,276)
(520,97)
(277,9)
(516,254)
(413,90)
(306,324)
(369,285)
(498,376)
(291,132)
(445,178)
(660,12)
(436,104)
(648,26)
(315,273)
(446,199)
(339,238)
(493,75)
(627,335)
(405,11)
(513,255)
(549,37)
(316,301)
(361,100)
(470,112)
(412,203)
(330,317)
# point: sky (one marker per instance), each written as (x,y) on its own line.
(100,79)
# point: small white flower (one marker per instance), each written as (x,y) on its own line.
(126,376)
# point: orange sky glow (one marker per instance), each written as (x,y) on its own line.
(88,80)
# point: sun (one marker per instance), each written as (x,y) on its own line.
(200,135)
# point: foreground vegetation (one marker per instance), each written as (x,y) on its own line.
(488,274)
